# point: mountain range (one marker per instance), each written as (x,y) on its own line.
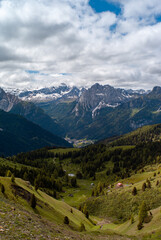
(94,113)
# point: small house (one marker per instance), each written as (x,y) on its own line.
(119,185)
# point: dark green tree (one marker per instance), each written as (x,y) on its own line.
(134,191)
(143,213)
(144,187)
(2,188)
(66,220)
(12,178)
(73,182)
(33,201)
(82,228)
(148,184)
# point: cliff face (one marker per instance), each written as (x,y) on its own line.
(7,101)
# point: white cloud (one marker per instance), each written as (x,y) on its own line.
(67,36)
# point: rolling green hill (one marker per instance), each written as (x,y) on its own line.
(85,180)
(150,133)
(46,220)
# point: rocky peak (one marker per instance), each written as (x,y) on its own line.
(7,100)
(155,93)
(101,96)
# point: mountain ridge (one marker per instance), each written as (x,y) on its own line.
(30,111)
(17,134)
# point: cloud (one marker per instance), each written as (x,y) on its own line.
(50,37)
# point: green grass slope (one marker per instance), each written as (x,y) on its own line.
(139,136)
(116,206)
(20,221)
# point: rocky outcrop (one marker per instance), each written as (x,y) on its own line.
(7,101)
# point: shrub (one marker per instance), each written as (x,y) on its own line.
(13,178)
(66,220)
(140,225)
(33,201)
(87,214)
(73,182)
(157,183)
(143,213)
(8,173)
(148,184)
(80,208)
(132,219)
(134,191)
(82,228)
(144,187)
(2,188)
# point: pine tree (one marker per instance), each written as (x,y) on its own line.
(148,184)
(132,219)
(140,225)
(85,209)
(87,214)
(143,213)
(80,208)
(82,228)
(66,220)
(12,178)
(8,173)
(134,191)
(2,188)
(144,187)
(33,201)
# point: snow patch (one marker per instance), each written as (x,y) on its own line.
(102,104)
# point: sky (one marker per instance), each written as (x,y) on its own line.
(80,42)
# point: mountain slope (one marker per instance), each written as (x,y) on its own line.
(9,102)
(18,134)
(145,110)
(37,116)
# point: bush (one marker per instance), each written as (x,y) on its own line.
(2,188)
(134,191)
(66,220)
(140,225)
(132,219)
(87,214)
(33,201)
(8,173)
(143,213)
(13,178)
(82,228)
(148,184)
(144,187)
(73,182)
(148,219)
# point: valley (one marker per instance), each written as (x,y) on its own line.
(82,184)
(90,181)
(80,120)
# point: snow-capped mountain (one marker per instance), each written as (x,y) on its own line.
(90,100)
(51,94)
(7,100)
(98,97)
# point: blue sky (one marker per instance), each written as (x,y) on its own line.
(103,5)
(80,42)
